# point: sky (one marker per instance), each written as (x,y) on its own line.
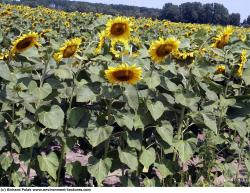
(234,6)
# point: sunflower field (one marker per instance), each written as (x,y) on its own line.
(96,100)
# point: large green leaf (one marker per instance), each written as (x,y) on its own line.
(16,178)
(42,92)
(184,149)
(152,79)
(210,121)
(165,168)
(134,139)
(31,53)
(76,170)
(97,135)
(124,120)
(5,72)
(49,163)
(239,125)
(5,161)
(187,99)
(128,157)
(52,119)
(156,109)
(64,73)
(84,94)
(148,157)
(99,168)
(166,132)
(247,163)
(132,97)
(3,140)
(75,115)
(28,137)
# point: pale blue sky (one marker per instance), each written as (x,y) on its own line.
(236,6)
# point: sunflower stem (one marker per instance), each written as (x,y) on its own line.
(29,167)
(45,70)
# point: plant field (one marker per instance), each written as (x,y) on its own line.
(95,100)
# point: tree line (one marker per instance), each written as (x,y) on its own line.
(190,12)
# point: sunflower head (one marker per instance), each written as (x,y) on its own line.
(68,49)
(119,48)
(220,69)
(118,28)
(222,39)
(25,42)
(43,32)
(101,42)
(4,56)
(161,48)
(243,61)
(136,45)
(183,55)
(123,73)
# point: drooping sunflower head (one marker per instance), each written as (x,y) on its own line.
(68,49)
(184,55)
(222,39)
(118,28)
(220,69)
(43,32)
(25,42)
(101,42)
(119,48)
(123,73)
(136,45)
(4,56)
(242,37)
(161,48)
(243,61)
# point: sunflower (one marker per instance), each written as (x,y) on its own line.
(4,56)
(68,49)
(243,61)
(67,24)
(123,73)
(222,39)
(43,32)
(5,13)
(161,48)
(119,48)
(101,37)
(220,69)
(183,55)
(242,37)
(25,42)
(136,45)
(118,28)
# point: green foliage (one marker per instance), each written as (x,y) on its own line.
(53,119)
(182,123)
(49,163)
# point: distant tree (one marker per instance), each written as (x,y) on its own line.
(234,19)
(207,13)
(221,15)
(170,12)
(190,12)
(211,13)
(248,20)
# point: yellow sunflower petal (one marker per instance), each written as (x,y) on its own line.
(24,42)
(68,49)
(161,48)
(123,73)
(223,38)
(118,28)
